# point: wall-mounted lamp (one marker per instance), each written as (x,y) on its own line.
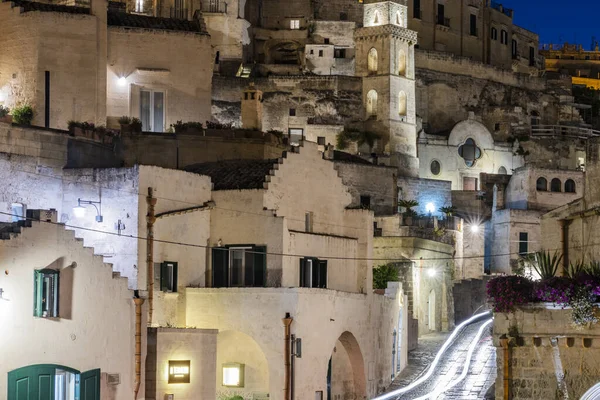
(430,207)
(122,81)
(474,228)
(79,211)
(179,371)
(233,375)
(431,272)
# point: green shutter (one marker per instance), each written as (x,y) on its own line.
(175,268)
(220,270)
(55,291)
(260,266)
(322,273)
(302,272)
(90,385)
(164,277)
(38,285)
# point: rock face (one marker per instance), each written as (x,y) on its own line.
(549,358)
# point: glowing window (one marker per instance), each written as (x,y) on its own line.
(372,103)
(372,60)
(469,152)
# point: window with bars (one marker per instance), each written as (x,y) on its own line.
(46,293)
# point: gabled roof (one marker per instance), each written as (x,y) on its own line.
(44,7)
(235,174)
(119,18)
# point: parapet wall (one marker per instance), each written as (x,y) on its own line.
(449,63)
(549,357)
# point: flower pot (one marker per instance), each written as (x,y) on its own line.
(126,129)
(6,119)
(408,221)
(379,291)
(78,132)
(107,139)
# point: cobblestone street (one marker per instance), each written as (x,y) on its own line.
(482,370)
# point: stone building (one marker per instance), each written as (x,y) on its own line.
(583,66)
(108,64)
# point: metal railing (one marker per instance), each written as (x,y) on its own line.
(443,21)
(499,7)
(213,6)
(564,131)
(179,13)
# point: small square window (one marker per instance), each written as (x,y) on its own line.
(295,24)
(312,51)
(321,140)
(497,127)
(313,273)
(18,212)
(252,95)
(343,16)
(46,293)
(326,40)
(292,112)
(168,277)
(339,53)
(320,53)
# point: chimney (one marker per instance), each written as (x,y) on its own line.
(252,108)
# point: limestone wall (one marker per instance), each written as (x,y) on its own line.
(549,358)
(92,330)
(425,191)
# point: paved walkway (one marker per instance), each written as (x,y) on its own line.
(482,371)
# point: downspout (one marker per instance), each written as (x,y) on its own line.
(150,219)
(462,26)
(287,321)
(505,345)
(292,376)
(138,343)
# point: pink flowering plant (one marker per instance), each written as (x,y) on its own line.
(509,292)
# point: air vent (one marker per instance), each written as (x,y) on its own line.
(113,379)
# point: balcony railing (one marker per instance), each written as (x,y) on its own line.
(212,6)
(179,13)
(563,131)
(499,7)
(443,21)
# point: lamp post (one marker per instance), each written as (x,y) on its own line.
(79,210)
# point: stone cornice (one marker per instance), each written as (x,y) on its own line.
(386,30)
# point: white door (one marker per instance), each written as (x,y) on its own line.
(152,110)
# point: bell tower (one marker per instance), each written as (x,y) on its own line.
(385,50)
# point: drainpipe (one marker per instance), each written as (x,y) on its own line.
(292,362)
(138,343)
(564,241)
(150,219)
(505,345)
(287,321)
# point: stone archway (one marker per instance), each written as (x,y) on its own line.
(240,356)
(346,373)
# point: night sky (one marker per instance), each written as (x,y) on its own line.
(574,21)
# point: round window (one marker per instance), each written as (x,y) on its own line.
(435,167)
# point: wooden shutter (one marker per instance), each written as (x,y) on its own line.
(322,273)
(302,272)
(175,268)
(55,288)
(164,277)
(38,285)
(90,385)
(260,266)
(220,270)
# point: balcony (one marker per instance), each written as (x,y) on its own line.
(499,7)
(424,227)
(179,13)
(442,21)
(213,7)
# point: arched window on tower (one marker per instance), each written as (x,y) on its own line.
(401,63)
(402,103)
(398,19)
(542,185)
(377,18)
(372,61)
(372,103)
(570,186)
(556,185)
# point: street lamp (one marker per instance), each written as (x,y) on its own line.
(79,210)
(474,228)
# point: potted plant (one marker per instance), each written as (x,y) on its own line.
(23,115)
(409,213)
(136,125)
(188,128)
(4,116)
(125,123)
(382,275)
(448,211)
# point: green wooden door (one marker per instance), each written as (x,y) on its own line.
(90,385)
(35,382)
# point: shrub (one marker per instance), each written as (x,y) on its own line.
(125,120)
(384,274)
(136,124)
(508,292)
(582,305)
(557,290)
(4,111)
(545,265)
(181,127)
(23,115)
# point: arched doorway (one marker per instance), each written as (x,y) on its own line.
(346,370)
(431,303)
(242,367)
(53,382)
